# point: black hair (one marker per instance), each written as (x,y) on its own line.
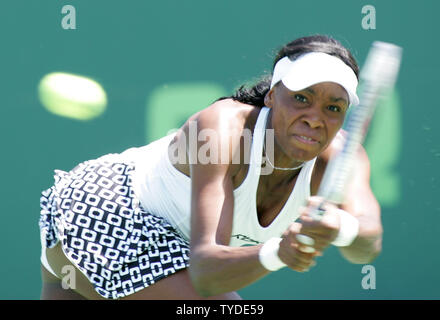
(254,94)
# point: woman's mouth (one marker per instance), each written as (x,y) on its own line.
(305,139)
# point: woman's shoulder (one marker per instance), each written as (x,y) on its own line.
(229,114)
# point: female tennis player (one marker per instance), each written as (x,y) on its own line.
(220,203)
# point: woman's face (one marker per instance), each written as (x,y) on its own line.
(306,121)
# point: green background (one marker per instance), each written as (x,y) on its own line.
(158,59)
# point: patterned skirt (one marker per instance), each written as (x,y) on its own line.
(105,232)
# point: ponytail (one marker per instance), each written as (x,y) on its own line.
(253,95)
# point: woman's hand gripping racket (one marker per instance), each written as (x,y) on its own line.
(377,77)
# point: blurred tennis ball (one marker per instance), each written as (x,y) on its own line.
(72,96)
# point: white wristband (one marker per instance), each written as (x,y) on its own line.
(348,230)
(268,255)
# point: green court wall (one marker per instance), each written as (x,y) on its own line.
(161,61)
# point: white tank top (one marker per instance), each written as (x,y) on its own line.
(165,191)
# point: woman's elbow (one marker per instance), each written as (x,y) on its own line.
(201,277)
(365,249)
(362,257)
(203,288)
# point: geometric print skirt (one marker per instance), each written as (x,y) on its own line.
(105,232)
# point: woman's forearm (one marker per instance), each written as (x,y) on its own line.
(217,269)
(367,245)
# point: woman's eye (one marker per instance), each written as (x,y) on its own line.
(300,98)
(335,108)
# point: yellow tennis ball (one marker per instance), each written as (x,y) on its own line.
(72,96)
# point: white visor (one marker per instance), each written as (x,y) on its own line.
(312,68)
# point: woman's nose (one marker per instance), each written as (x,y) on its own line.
(313,119)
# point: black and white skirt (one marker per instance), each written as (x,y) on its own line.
(105,232)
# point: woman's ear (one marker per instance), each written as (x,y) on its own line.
(268,98)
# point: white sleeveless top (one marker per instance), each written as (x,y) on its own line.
(166,192)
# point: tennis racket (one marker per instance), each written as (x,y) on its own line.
(377,78)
